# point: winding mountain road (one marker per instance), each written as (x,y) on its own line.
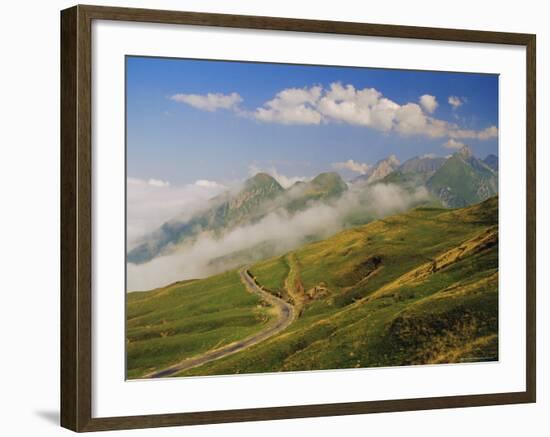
(286,315)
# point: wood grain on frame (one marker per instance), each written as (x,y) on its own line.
(76,225)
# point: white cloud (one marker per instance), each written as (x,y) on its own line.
(352,165)
(158,183)
(429,103)
(410,119)
(209,102)
(344,104)
(284,180)
(291,106)
(361,107)
(484,134)
(150,205)
(453,144)
(455,101)
(209,184)
(490,132)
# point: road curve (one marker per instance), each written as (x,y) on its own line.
(286,317)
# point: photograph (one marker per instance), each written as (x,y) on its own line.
(292,218)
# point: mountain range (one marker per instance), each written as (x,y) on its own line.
(456,181)
(260,195)
(380,170)
(463,180)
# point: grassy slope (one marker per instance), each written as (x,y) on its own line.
(184,319)
(414,288)
(273,273)
(464,178)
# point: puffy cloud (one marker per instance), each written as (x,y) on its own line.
(453,144)
(410,119)
(291,106)
(455,101)
(490,132)
(341,103)
(362,107)
(350,164)
(209,102)
(484,134)
(383,113)
(208,184)
(158,183)
(429,103)
(349,105)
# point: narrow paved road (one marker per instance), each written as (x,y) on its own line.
(286,316)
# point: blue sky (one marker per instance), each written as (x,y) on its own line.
(298,119)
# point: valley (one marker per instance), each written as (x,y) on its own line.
(276,220)
(412,288)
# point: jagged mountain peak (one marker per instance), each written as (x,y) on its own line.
(392,160)
(380,170)
(464,152)
(423,164)
(463,180)
(258,189)
(262,180)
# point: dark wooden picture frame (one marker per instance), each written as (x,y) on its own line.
(76,217)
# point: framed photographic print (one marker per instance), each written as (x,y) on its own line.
(268,218)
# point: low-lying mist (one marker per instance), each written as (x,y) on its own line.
(275,233)
(152,202)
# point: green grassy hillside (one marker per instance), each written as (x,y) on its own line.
(187,318)
(420,287)
(324,187)
(463,180)
(415,288)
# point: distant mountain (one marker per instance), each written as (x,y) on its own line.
(423,164)
(257,190)
(225,211)
(323,187)
(328,184)
(259,196)
(457,181)
(380,170)
(414,172)
(463,180)
(492,161)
